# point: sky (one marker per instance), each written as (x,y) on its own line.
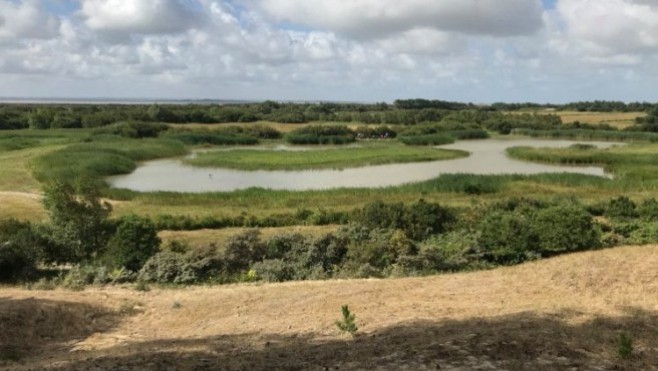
(479,51)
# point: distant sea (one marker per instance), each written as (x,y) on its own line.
(118,101)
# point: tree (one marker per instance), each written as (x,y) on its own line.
(78,219)
(134,242)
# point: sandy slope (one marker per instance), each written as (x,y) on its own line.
(562,313)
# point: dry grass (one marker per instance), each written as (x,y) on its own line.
(619,120)
(554,314)
(22,206)
(219,237)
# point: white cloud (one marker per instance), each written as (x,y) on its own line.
(124,17)
(364,19)
(611,26)
(26,19)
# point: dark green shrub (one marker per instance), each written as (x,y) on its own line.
(423,219)
(648,210)
(418,220)
(274,270)
(321,134)
(18,250)
(199,265)
(621,207)
(564,228)
(133,243)
(244,249)
(427,140)
(507,237)
(134,129)
(452,251)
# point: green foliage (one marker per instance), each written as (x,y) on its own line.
(195,266)
(102,156)
(18,250)
(78,219)
(418,220)
(523,230)
(213,138)
(348,323)
(243,249)
(564,228)
(427,140)
(133,243)
(622,208)
(624,346)
(321,134)
(134,129)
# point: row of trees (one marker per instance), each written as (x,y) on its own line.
(401,112)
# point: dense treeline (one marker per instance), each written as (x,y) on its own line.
(401,112)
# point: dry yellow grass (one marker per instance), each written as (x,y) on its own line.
(619,120)
(219,237)
(562,313)
(22,206)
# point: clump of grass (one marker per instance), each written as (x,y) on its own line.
(624,346)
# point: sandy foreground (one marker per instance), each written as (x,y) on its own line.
(565,313)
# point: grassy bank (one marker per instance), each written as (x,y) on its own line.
(375,154)
(102,156)
(632,163)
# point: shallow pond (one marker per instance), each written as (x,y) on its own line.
(487,157)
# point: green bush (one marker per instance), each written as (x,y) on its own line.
(321,134)
(18,250)
(565,228)
(274,270)
(452,251)
(507,237)
(418,220)
(622,208)
(134,129)
(244,249)
(133,243)
(199,265)
(427,140)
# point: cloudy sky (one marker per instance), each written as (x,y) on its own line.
(347,50)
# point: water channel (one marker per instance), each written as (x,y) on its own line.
(487,156)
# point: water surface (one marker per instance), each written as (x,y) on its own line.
(486,157)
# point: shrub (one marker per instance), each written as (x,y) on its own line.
(427,140)
(507,237)
(18,251)
(450,251)
(243,250)
(348,322)
(321,134)
(624,346)
(621,208)
(134,129)
(274,270)
(199,265)
(133,243)
(565,228)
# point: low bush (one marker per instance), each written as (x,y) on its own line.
(321,134)
(195,266)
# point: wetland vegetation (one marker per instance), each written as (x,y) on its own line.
(448,223)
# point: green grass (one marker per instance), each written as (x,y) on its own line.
(102,156)
(374,154)
(634,162)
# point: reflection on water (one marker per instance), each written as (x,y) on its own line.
(487,157)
